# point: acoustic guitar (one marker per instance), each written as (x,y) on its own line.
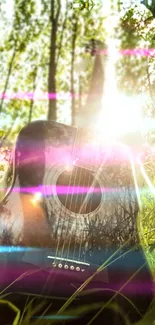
(71,208)
(65,214)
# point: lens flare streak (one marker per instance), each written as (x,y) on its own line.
(63,190)
(38,192)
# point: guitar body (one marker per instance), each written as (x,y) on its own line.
(44,162)
(66,208)
(71,174)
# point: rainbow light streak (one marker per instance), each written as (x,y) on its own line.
(48,189)
(38,96)
(63,190)
(132,52)
(16,249)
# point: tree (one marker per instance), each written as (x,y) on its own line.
(73,46)
(52,63)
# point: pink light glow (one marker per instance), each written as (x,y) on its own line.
(38,96)
(63,190)
(132,52)
(85,154)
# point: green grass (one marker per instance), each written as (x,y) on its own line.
(42,305)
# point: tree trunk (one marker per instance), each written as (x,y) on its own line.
(90,111)
(7,79)
(62,33)
(52,63)
(95,94)
(80,93)
(32,99)
(73,110)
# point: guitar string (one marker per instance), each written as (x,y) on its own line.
(91,195)
(71,200)
(84,177)
(74,186)
(99,169)
(88,194)
(66,212)
(75,202)
(81,239)
(76,217)
(83,205)
(82,216)
(84,208)
(87,186)
(76,223)
(62,222)
(95,180)
(63,216)
(59,236)
(85,199)
(89,200)
(76,197)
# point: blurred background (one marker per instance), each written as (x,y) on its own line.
(44,49)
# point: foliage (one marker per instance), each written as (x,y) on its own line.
(28,44)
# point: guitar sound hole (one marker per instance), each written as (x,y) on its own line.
(75,186)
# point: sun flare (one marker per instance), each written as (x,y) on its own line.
(120,114)
(123,115)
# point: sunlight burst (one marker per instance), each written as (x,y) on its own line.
(120,114)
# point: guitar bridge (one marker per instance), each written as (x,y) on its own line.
(68,264)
